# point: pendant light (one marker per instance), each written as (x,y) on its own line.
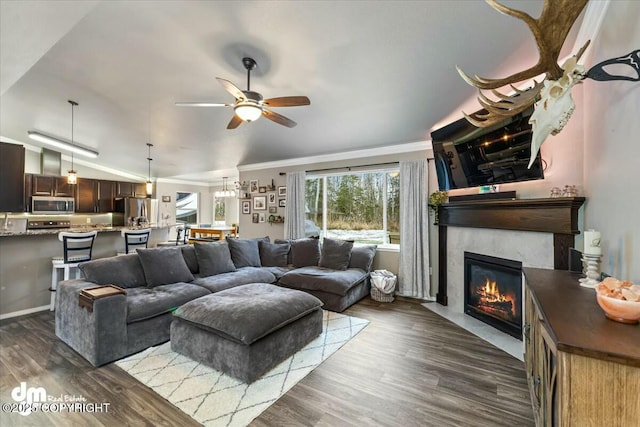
(72,175)
(149,183)
(225,192)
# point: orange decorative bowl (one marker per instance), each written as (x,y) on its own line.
(617,309)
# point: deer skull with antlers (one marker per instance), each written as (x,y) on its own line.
(553,95)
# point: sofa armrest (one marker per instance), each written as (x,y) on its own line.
(100,336)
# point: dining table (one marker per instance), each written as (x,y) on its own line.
(219,231)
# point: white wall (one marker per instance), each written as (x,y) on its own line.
(612,147)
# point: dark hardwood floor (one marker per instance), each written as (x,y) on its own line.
(409,367)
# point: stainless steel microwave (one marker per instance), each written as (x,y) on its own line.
(47,205)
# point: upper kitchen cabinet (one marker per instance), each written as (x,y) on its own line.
(63,189)
(43,185)
(131,189)
(12,182)
(106,193)
(125,189)
(86,200)
(140,189)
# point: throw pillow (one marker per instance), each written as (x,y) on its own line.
(244,252)
(189,254)
(163,266)
(124,271)
(305,252)
(273,254)
(362,257)
(288,241)
(335,254)
(213,258)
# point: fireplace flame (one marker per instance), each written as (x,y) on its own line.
(490,294)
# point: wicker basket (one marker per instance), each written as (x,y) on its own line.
(378,295)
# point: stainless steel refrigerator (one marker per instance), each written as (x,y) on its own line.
(135,211)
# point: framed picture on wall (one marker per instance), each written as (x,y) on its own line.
(262,189)
(282,203)
(262,217)
(253,186)
(255,218)
(282,191)
(166,199)
(273,209)
(272,198)
(246,207)
(260,203)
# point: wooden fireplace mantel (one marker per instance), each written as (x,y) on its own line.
(558,216)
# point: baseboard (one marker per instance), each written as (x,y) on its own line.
(23,312)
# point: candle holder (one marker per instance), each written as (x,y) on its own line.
(593,271)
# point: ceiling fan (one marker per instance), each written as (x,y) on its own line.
(250,105)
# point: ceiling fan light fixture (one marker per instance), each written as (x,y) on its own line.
(248,112)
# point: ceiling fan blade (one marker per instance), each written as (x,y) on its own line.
(234,122)
(287,101)
(201,104)
(231,88)
(278,118)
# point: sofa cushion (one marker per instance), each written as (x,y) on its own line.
(244,252)
(278,272)
(305,252)
(213,258)
(190,257)
(124,271)
(247,313)
(335,254)
(323,279)
(144,303)
(163,266)
(289,261)
(241,276)
(273,254)
(362,257)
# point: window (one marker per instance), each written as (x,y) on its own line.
(364,207)
(187,207)
(219,210)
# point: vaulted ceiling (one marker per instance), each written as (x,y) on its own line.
(377,73)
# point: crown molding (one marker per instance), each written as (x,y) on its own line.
(347,155)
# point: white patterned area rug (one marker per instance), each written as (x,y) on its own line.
(216,399)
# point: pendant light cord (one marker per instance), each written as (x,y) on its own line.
(73,104)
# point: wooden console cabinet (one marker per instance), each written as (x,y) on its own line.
(582,369)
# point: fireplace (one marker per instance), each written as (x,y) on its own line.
(493,292)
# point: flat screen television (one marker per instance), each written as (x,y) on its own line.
(467,156)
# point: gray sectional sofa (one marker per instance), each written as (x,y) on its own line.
(159,280)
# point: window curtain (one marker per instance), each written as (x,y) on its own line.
(294,211)
(413,272)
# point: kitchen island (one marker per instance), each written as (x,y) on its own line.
(25,262)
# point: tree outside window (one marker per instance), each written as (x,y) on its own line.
(364,207)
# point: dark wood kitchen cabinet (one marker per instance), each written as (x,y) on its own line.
(45,185)
(12,182)
(95,196)
(125,189)
(131,189)
(86,195)
(106,193)
(63,189)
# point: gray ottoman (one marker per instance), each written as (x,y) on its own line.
(247,330)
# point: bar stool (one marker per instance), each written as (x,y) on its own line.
(134,239)
(181,237)
(77,248)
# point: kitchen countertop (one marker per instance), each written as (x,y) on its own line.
(98,228)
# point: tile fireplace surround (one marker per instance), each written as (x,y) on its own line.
(536,232)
